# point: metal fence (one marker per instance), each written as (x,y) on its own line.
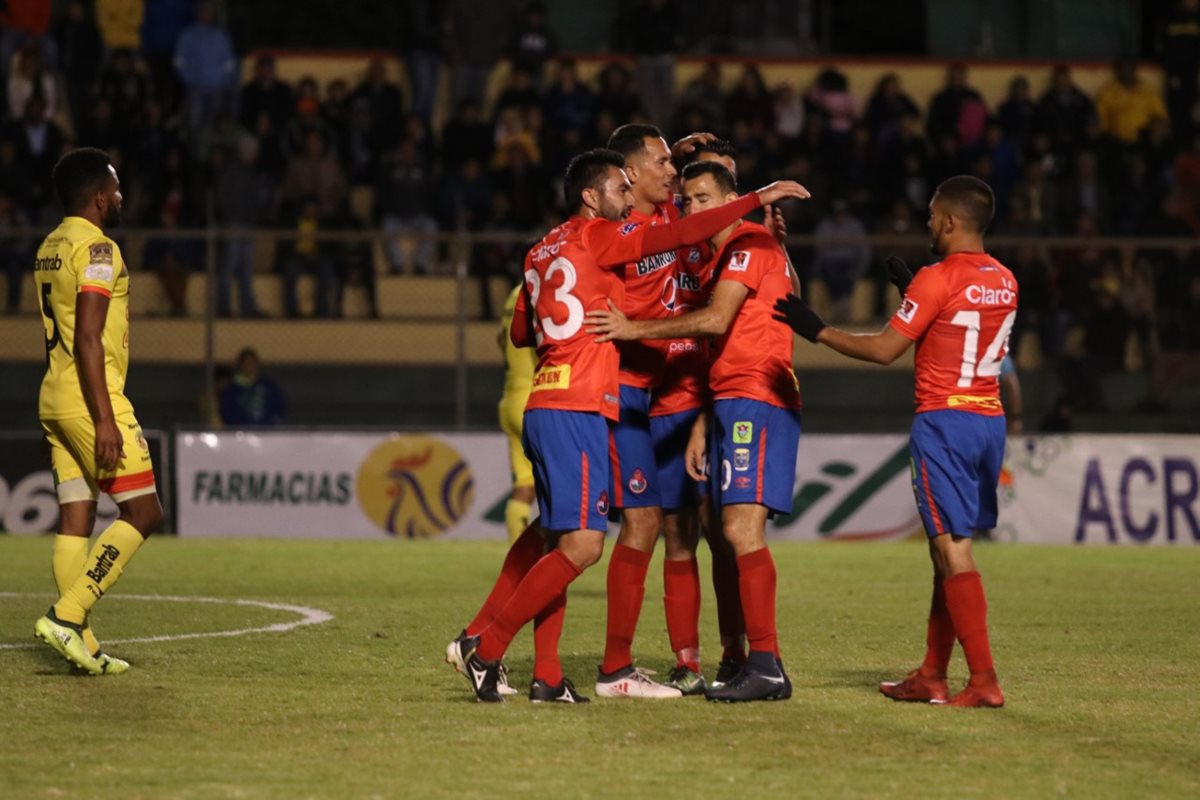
(445,315)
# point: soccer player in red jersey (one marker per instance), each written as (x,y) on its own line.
(959,312)
(755,421)
(636,487)
(577,267)
(678,399)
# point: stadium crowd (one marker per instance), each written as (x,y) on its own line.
(195,145)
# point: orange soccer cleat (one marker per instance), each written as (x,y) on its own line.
(985,694)
(917,688)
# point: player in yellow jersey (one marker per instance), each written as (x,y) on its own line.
(96,444)
(519,365)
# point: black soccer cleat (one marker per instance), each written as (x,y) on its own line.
(565,692)
(484,677)
(787,682)
(753,682)
(726,670)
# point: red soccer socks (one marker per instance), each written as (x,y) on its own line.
(681,598)
(521,556)
(547,629)
(967,605)
(756,582)
(626,587)
(939,637)
(541,586)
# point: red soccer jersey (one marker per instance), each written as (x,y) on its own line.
(564,280)
(959,312)
(648,287)
(683,385)
(753,360)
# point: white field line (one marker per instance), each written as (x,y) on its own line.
(308,616)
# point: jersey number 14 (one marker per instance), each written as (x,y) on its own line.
(989,365)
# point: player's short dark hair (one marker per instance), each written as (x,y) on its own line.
(721,175)
(629,140)
(719,147)
(971,198)
(587,171)
(78,175)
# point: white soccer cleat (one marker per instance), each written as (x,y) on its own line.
(456,658)
(633,682)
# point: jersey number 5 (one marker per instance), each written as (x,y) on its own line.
(989,365)
(562,294)
(55,337)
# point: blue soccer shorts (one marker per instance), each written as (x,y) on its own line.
(569,453)
(670,433)
(955,461)
(635,481)
(752,454)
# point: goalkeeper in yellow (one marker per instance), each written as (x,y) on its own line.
(519,365)
(96,444)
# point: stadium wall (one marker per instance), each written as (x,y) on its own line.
(296,484)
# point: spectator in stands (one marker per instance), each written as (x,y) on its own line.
(703,94)
(751,103)
(404,198)
(80,50)
(1038,197)
(1179,51)
(266,94)
(28,78)
(465,198)
(120,23)
(251,398)
(888,105)
(173,259)
(913,249)
(655,36)
(384,102)
(1017,113)
(466,136)
(17,253)
(335,112)
(480,33)
(315,174)
(305,119)
(305,255)
(15,177)
(124,84)
(165,21)
(424,47)
(1064,111)
(519,94)
(21,22)
(361,146)
(830,97)
(532,43)
(615,96)
(242,200)
(353,263)
(1126,104)
(958,110)
(841,256)
(207,66)
(496,259)
(569,104)
(1039,309)
(1178,313)
(40,143)
(520,179)
(789,113)
(1084,192)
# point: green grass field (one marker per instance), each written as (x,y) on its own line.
(1097,650)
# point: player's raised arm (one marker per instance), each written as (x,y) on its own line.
(91,309)
(882,347)
(619,243)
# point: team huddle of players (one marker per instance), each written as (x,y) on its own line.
(664,390)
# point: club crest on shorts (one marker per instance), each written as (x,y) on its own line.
(602,504)
(637,482)
(741,459)
(743,432)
